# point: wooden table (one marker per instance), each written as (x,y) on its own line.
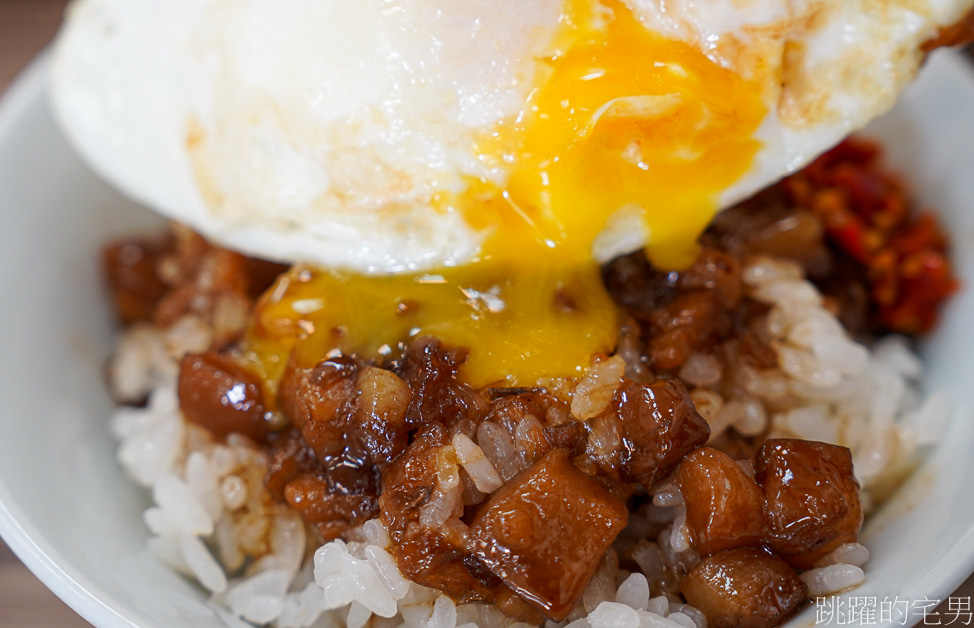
(25,26)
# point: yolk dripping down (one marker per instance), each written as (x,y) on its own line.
(623,118)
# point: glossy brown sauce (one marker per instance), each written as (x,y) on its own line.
(352,438)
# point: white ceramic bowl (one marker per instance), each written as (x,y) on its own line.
(70,515)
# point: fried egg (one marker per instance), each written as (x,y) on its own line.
(529,140)
(351,134)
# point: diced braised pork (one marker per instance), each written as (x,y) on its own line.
(544,533)
(513,433)
(517,608)
(318,401)
(214,288)
(431,556)
(409,482)
(569,436)
(222,396)
(725,507)
(682,312)
(380,415)
(812,498)
(438,396)
(165,279)
(660,426)
(433,559)
(333,495)
(716,272)
(290,457)
(637,285)
(332,510)
(344,408)
(132,270)
(744,588)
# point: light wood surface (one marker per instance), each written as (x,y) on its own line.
(25,27)
(25,602)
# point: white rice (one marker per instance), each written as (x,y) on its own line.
(212,514)
(837,390)
(833,579)
(474,462)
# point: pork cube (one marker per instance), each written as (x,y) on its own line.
(724,506)
(811,498)
(431,556)
(222,396)
(660,427)
(318,401)
(545,532)
(323,504)
(744,588)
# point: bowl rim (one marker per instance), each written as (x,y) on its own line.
(91,601)
(86,598)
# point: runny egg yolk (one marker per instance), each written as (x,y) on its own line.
(622,119)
